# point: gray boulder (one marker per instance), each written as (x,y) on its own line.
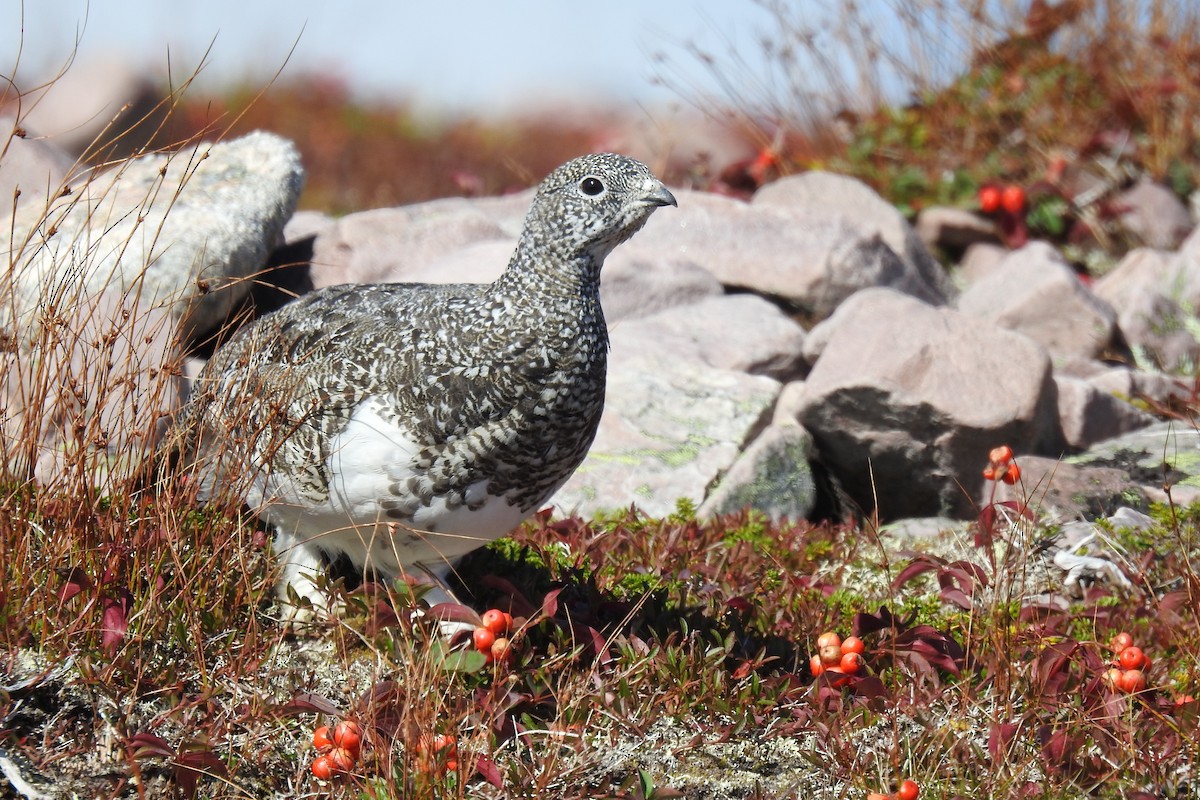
(88,406)
(739,332)
(1155,295)
(1089,415)
(954,229)
(670,428)
(1034,292)
(833,196)
(1154,214)
(398,245)
(32,166)
(186,230)
(811,256)
(772,476)
(906,399)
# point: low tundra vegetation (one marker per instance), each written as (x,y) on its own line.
(641,658)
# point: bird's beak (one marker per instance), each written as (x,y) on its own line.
(658,195)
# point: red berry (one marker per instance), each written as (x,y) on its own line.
(837,678)
(1013,199)
(1132,681)
(502,650)
(1112,678)
(1012,474)
(321,739)
(853,644)
(908,790)
(483,639)
(342,760)
(1000,455)
(829,638)
(831,655)
(347,735)
(1132,657)
(497,621)
(989,199)
(445,742)
(1121,641)
(322,768)
(816,665)
(850,663)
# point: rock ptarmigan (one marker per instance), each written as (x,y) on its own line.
(404,425)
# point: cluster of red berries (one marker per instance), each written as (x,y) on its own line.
(492,637)
(992,198)
(338,749)
(1128,673)
(437,755)
(908,790)
(837,655)
(1001,466)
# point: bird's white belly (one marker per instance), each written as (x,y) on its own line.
(368,458)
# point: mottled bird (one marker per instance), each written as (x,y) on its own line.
(403,425)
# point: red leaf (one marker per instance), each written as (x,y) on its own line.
(999,737)
(74,582)
(309,704)
(550,602)
(489,772)
(193,763)
(956,597)
(115,623)
(740,604)
(147,745)
(918,566)
(455,612)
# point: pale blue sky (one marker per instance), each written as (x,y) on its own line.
(463,54)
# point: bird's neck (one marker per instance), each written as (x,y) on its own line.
(564,288)
(553,275)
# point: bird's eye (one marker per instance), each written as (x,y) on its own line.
(591,186)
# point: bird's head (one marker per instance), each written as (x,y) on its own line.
(591,204)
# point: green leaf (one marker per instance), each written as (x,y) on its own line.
(467,661)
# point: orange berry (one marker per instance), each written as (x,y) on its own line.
(497,621)
(1013,199)
(829,638)
(1121,641)
(321,739)
(322,768)
(1132,681)
(1012,474)
(837,678)
(483,638)
(445,742)
(853,644)
(816,666)
(502,650)
(831,655)
(989,474)
(850,663)
(1000,455)
(1132,657)
(347,735)
(989,199)
(342,760)
(908,790)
